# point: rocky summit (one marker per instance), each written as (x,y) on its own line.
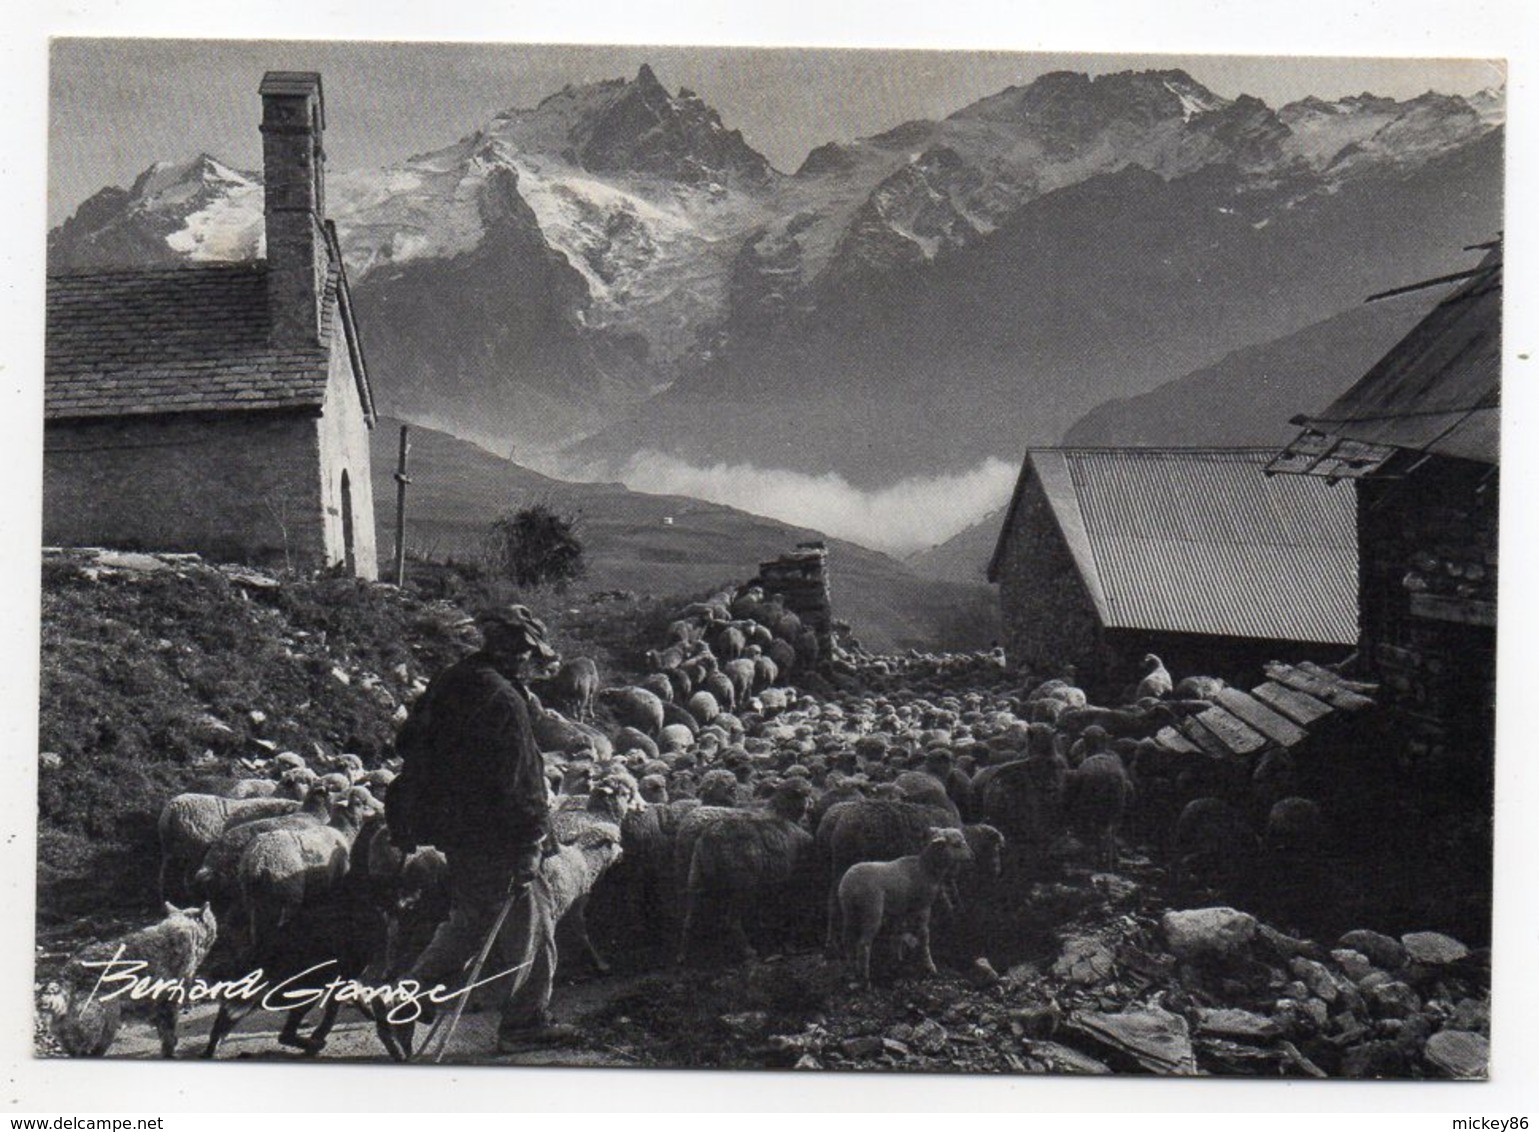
(618,255)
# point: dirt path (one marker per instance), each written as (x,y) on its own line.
(354,1038)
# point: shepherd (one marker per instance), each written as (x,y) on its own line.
(472,784)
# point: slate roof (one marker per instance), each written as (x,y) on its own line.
(180,339)
(1437,390)
(1201,541)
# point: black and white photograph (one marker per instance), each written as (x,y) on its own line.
(896,560)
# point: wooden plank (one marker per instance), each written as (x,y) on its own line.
(1298,706)
(1461,610)
(1232,732)
(1332,693)
(1278,728)
(1173,740)
(1337,678)
(1203,738)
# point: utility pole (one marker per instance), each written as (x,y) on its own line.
(401,480)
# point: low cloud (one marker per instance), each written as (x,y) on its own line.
(907,516)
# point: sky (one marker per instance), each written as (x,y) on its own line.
(118,104)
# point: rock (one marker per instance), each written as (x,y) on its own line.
(1021,975)
(50,760)
(1375,1060)
(1381,950)
(929,1036)
(982,973)
(1037,1021)
(857,1048)
(1393,999)
(1151,1036)
(1354,964)
(1314,976)
(340,676)
(1292,1017)
(1433,948)
(1116,889)
(1239,1024)
(1208,932)
(896,1048)
(1460,1054)
(1374,979)
(257,717)
(1061,1059)
(807,1061)
(1085,961)
(902,1032)
(1471,1014)
(747,1024)
(136,563)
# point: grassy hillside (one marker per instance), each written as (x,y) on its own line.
(660,544)
(154,674)
(964,557)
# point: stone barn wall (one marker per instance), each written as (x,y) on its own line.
(1049,619)
(236,486)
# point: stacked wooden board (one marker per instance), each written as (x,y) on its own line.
(1277,713)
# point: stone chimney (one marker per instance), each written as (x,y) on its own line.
(293,119)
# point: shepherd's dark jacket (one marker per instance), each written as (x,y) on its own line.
(473,776)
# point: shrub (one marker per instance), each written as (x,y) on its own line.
(536,546)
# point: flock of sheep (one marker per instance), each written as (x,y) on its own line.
(748,780)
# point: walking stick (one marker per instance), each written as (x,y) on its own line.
(475,973)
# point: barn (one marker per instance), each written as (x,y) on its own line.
(219,408)
(1419,437)
(1107,554)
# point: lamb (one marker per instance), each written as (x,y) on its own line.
(728,642)
(572,688)
(873,829)
(872,893)
(634,707)
(190,823)
(283,868)
(1211,838)
(674,738)
(742,855)
(85,1020)
(612,794)
(1156,681)
(1096,796)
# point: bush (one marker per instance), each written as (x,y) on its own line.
(536,546)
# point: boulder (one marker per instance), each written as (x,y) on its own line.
(1381,1059)
(1461,1054)
(1393,999)
(1380,950)
(1433,949)
(1061,1059)
(1202,933)
(1242,1025)
(1085,961)
(1315,976)
(1152,1037)
(1354,964)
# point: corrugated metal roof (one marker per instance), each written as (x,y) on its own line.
(1439,388)
(1201,541)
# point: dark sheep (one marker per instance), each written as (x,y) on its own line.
(1096,796)
(1212,839)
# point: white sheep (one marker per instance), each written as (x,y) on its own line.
(85,1020)
(872,893)
(1156,681)
(283,868)
(190,823)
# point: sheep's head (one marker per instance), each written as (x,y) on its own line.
(988,849)
(946,849)
(790,798)
(614,792)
